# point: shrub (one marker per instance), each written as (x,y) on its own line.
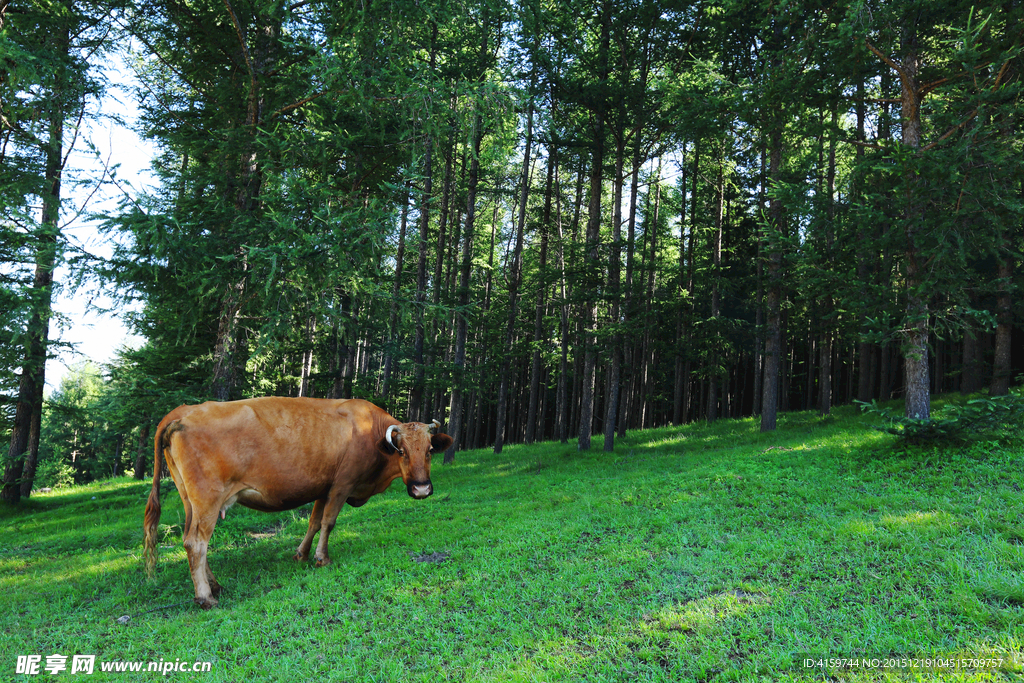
(982,417)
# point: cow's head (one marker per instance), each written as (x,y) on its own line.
(414,442)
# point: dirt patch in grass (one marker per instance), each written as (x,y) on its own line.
(430,558)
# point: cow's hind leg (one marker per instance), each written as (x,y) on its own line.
(215,587)
(330,515)
(190,528)
(197,541)
(302,554)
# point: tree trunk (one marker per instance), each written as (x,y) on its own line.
(865,350)
(690,271)
(532,417)
(825,381)
(648,375)
(562,408)
(223,381)
(351,369)
(1001,368)
(592,246)
(419,372)
(716,296)
(143,452)
(773,294)
(677,390)
(28,474)
(248,185)
(825,384)
(915,346)
(885,373)
(915,323)
(614,266)
(440,327)
(459,379)
(514,276)
(396,289)
(24,447)
(759,300)
(1007,183)
(307,356)
(631,348)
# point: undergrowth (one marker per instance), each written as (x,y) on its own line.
(956,422)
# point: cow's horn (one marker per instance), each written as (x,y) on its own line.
(435,425)
(387,436)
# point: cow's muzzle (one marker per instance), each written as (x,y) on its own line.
(420,489)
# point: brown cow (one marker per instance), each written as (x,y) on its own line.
(276,454)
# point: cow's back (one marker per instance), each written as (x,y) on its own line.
(289,449)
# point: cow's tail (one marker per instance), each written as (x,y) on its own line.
(152,518)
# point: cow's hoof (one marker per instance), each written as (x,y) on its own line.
(323,561)
(301,557)
(207,603)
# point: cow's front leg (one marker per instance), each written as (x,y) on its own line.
(302,554)
(330,515)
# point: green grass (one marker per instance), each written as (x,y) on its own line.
(704,553)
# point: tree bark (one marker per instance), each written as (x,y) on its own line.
(759,301)
(592,246)
(440,326)
(24,446)
(532,417)
(307,356)
(419,372)
(825,383)
(143,452)
(773,293)
(514,276)
(562,402)
(681,291)
(1001,365)
(1001,368)
(247,182)
(915,323)
(459,379)
(915,360)
(865,350)
(716,276)
(969,370)
(648,375)
(396,289)
(614,266)
(631,347)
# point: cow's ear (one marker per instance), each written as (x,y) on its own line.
(441,442)
(392,439)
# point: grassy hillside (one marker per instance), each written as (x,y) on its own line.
(706,553)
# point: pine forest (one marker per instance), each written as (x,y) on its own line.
(532,220)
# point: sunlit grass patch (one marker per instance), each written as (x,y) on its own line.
(920,524)
(856,529)
(706,613)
